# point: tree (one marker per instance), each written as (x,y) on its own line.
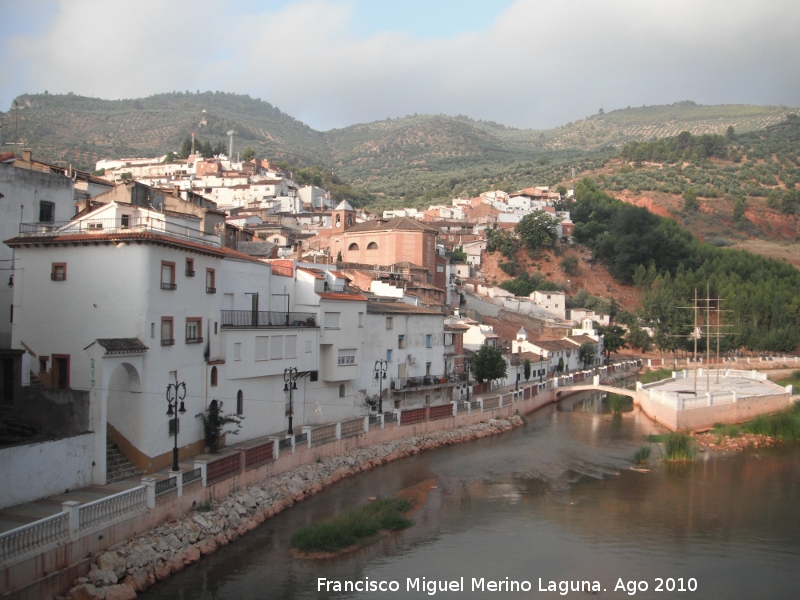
(662,314)
(186,148)
(613,338)
(170,157)
(689,199)
(248,154)
(773,199)
(214,423)
(488,364)
(730,134)
(586,354)
(788,202)
(638,338)
(560,366)
(738,210)
(339,256)
(526,369)
(537,230)
(569,264)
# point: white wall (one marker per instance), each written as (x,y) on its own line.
(23,190)
(38,470)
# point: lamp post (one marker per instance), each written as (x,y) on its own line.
(467,363)
(176,392)
(541,373)
(380,374)
(290,376)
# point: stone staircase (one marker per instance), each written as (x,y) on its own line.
(35,381)
(118,467)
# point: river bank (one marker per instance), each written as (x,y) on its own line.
(133,566)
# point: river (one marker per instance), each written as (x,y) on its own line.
(554,499)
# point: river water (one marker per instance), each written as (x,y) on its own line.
(555,500)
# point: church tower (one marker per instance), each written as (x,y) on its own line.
(343,217)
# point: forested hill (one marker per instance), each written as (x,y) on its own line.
(401,157)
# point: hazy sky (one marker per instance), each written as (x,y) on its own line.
(331,63)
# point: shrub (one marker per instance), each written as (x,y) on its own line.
(678,447)
(641,456)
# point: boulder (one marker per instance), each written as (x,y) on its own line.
(191,555)
(122,591)
(86,591)
(111,561)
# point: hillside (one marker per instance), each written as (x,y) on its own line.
(414,158)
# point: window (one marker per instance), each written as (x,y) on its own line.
(215,327)
(347,358)
(428,340)
(308,346)
(361,319)
(194,330)
(167,338)
(190,267)
(372,246)
(401,341)
(389,323)
(58,272)
(213,376)
(239,403)
(168,276)
(342,390)
(448,339)
(353,247)
(262,347)
(290,346)
(211,282)
(237,351)
(124,221)
(276,347)
(153,330)
(332,320)
(388,355)
(47,212)
(427,368)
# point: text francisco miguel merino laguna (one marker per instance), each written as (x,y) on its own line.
(430,587)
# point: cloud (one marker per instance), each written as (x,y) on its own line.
(540,64)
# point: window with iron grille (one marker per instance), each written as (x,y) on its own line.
(58,272)
(194,332)
(168,275)
(167,337)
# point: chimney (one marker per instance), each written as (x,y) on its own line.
(26,155)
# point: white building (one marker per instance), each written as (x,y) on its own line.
(552,302)
(147,300)
(411,340)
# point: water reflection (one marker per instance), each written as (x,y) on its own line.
(554,499)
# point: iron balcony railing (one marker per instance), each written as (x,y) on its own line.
(120,224)
(262,318)
(403,383)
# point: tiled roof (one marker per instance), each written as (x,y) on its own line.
(127,236)
(316,273)
(379,308)
(341,296)
(554,345)
(582,339)
(340,275)
(122,345)
(397,223)
(455,327)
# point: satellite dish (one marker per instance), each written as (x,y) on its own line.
(158,202)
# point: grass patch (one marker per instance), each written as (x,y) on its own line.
(651,376)
(641,456)
(618,403)
(660,438)
(784,425)
(721,430)
(793,379)
(678,447)
(354,526)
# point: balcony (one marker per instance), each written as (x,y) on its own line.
(124,224)
(169,286)
(401,384)
(211,290)
(194,340)
(239,319)
(167,341)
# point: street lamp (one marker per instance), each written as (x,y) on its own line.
(290,375)
(175,392)
(467,364)
(380,374)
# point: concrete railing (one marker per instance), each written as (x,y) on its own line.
(33,536)
(112,507)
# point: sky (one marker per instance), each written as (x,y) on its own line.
(332,63)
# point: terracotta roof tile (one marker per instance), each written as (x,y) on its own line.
(341,296)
